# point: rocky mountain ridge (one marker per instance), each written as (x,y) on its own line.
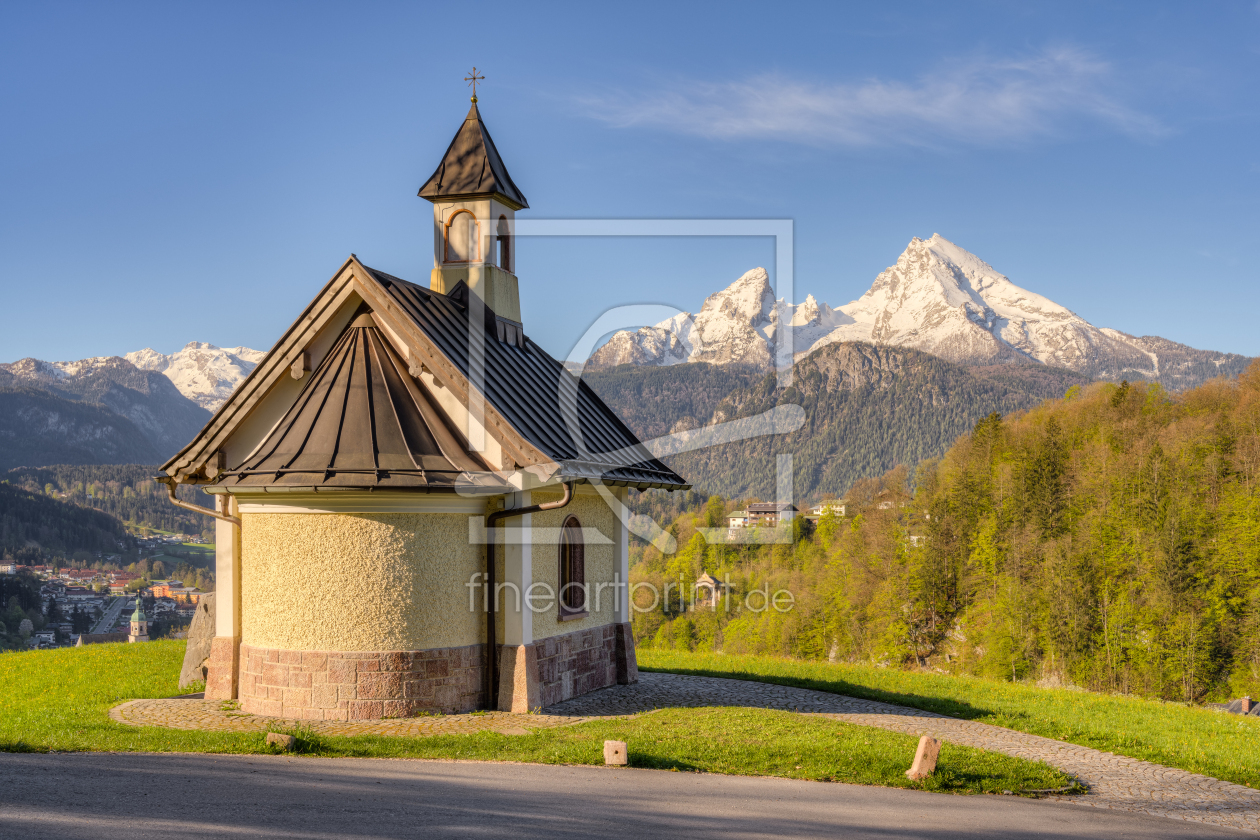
(204,373)
(938,298)
(98,410)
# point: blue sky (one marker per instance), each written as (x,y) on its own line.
(175,172)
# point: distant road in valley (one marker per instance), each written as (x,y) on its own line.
(144,796)
(110,616)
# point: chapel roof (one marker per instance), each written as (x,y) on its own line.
(364,419)
(472,167)
(554,411)
(360,421)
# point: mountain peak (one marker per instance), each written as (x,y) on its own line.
(203,372)
(749,299)
(938,297)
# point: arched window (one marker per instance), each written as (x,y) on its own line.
(572,569)
(461,238)
(505,244)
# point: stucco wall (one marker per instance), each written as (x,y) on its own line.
(593,512)
(358,581)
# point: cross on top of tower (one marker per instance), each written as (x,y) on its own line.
(472,79)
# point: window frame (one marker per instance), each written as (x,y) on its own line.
(571,557)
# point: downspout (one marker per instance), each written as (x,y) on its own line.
(492,649)
(170,488)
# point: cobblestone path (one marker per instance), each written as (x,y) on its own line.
(1114,781)
(212,716)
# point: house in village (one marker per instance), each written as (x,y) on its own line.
(832,506)
(770,514)
(360,467)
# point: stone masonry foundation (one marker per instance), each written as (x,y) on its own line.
(576,663)
(222,668)
(561,667)
(344,685)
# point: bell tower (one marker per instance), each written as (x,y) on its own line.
(139,624)
(474,215)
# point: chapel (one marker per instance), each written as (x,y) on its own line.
(418,509)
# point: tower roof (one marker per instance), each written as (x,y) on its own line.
(138,615)
(360,421)
(472,167)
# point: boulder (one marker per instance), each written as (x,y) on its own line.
(200,635)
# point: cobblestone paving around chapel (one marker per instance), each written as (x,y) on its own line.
(1114,781)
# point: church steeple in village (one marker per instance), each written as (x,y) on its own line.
(139,624)
(474,213)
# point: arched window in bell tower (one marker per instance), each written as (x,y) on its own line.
(461,238)
(505,244)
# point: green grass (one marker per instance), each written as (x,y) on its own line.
(59,700)
(1199,740)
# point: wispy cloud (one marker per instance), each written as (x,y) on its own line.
(975,102)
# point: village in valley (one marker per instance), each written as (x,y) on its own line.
(91,606)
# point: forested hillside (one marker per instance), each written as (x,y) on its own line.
(125,492)
(32,518)
(37,427)
(95,411)
(867,409)
(655,401)
(1109,538)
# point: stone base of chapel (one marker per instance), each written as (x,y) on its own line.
(222,667)
(561,667)
(345,685)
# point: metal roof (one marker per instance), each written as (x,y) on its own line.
(472,167)
(558,414)
(360,420)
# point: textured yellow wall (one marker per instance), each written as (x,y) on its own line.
(593,512)
(358,582)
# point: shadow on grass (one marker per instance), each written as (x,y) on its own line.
(938,705)
(20,747)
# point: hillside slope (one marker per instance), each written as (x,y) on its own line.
(93,411)
(868,408)
(126,492)
(33,519)
(37,427)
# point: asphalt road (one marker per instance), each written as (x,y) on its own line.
(110,615)
(141,796)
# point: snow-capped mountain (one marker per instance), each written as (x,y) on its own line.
(737,325)
(91,411)
(939,298)
(202,372)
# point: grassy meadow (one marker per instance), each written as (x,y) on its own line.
(1177,735)
(60,699)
